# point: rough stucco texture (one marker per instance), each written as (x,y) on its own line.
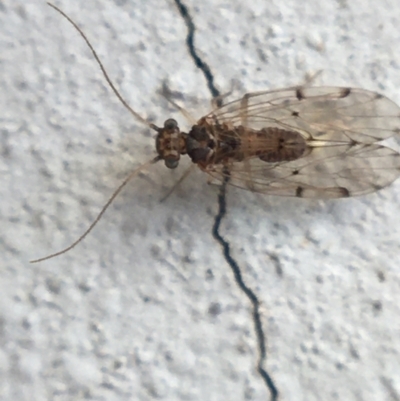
(147,308)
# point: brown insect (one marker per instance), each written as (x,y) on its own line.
(321,142)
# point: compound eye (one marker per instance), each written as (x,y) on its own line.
(170,124)
(171,163)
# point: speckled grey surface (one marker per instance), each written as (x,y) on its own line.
(146,308)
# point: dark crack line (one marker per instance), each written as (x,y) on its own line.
(202,65)
(261,339)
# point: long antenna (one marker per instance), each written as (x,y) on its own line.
(133,112)
(103,70)
(105,207)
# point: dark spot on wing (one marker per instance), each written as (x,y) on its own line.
(295,172)
(378,96)
(344,192)
(377,187)
(299,192)
(295,113)
(300,94)
(344,92)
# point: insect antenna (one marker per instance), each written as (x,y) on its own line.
(103,70)
(178,183)
(105,207)
(133,112)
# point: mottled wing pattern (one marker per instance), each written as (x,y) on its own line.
(342,128)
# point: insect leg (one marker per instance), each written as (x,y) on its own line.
(179,182)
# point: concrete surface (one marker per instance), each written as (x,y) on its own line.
(146,308)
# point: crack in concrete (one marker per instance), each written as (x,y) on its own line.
(201,64)
(261,339)
(226,248)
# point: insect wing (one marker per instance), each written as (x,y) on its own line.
(341,127)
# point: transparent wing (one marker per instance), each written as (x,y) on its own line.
(341,127)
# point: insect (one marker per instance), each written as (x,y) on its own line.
(307,142)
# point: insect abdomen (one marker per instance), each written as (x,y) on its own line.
(270,144)
(277,145)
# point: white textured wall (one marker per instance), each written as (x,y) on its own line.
(127,314)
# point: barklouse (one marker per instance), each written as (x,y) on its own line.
(307,142)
